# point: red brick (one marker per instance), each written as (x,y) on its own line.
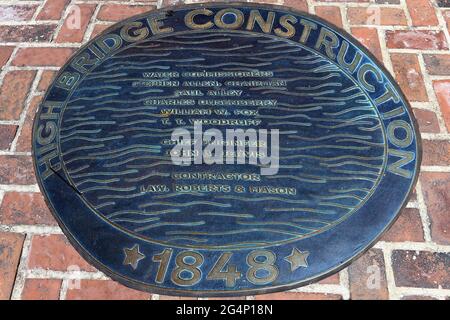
(42,56)
(446,15)
(117,12)
(298,296)
(331,14)
(68,32)
(413,196)
(408,75)
(25,208)
(367,277)
(408,227)
(5,54)
(41,289)
(10,250)
(24,140)
(436,190)
(435,152)
(52,10)
(99,28)
(333,279)
(13,93)
(301,5)
(17,12)
(421,269)
(54,252)
(427,120)
(104,290)
(369,38)
(7,134)
(442,90)
(16,170)
(376,16)
(437,64)
(417,39)
(46,79)
(25,33)
(422,13)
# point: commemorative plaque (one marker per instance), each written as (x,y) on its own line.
(223,150)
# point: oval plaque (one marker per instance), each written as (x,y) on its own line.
(215,150)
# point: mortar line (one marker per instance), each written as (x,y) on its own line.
(31,229)
(92,23)
(19,282)
(311,6)
(344,280)
(390,279)
(385,52)
(407,14)
(63,289)
(441,21)
(431,94)
(344,17)
(38,9)
(414,246)
(423,212)
(24,112)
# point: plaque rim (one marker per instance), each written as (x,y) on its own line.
(138,285)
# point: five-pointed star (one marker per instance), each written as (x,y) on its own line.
(133,256)
(297,259)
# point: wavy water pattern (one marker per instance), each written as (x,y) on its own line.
(331,149)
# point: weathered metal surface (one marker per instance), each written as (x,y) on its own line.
(349,151)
